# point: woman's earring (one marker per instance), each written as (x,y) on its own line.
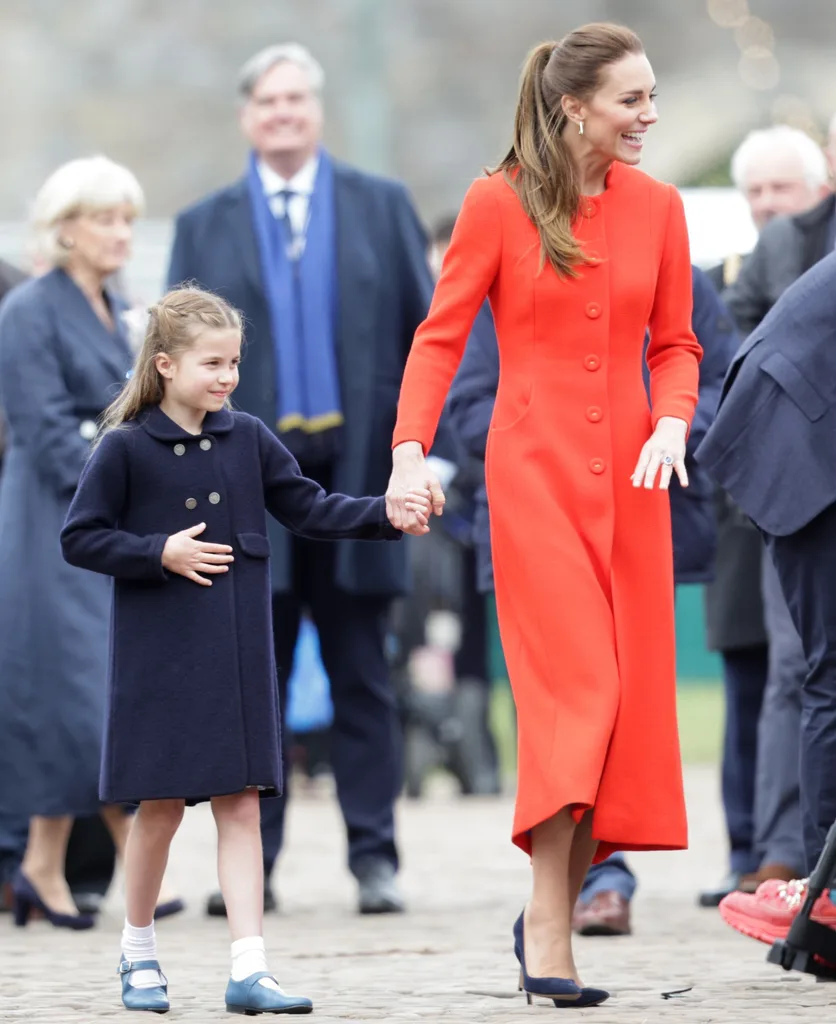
(580,127)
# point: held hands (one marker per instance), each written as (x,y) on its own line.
(663,454)
(189,557)
(414,492)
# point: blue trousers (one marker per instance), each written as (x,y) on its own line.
(744,679)
(806,565)
(613,874)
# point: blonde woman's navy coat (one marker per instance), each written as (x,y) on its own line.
(192,708)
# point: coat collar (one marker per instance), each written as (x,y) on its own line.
(155,422)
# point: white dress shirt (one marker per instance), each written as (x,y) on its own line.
(302,184)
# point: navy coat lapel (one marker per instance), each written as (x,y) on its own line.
(112,347)
(240,217)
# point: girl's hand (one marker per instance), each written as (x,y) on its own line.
(188,557)
(666,451)
(412,481)
(420,504)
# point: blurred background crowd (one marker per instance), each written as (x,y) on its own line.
(422,91)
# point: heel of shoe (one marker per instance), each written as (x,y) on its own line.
(22,910)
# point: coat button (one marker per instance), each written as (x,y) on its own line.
(87,429)
(214,497)
(179,449)
(592,363)
(594,414)
(597,466)
(590,208)
(593,310)
(205,444)
(191,502)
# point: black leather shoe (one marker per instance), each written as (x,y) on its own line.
(215,906)
(713,897)
(379,889)
(88,902)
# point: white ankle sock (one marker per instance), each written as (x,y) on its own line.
(140,944)
(248,957)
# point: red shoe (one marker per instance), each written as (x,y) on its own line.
(767,914)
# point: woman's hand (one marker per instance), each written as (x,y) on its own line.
(189,557)
(664,451)
(413,490)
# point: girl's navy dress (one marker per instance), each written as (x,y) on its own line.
(193,700)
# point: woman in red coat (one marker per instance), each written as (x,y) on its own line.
(579,253)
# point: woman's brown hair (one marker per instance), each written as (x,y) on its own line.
(173,324)
(539,166)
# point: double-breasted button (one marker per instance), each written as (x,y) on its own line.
(191,502)
(593,310)
(592,363)
(87,429)
(594,414)
(590,208)
(597,466)
(214,498)
(179,449)
(205,444)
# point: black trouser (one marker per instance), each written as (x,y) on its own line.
(365,745)
(471,658)
(806,565)
(744,679)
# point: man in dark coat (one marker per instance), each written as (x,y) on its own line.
(604,904)
(771,447)
(782,173)
(328,265)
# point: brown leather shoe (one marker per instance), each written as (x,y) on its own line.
(607,913)
(781,872)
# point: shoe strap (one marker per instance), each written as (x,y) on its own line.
(129,966)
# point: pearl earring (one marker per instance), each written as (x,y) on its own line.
(580,127)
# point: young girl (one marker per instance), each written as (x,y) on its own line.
(172,505)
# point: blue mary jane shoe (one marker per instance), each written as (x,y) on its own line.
(249,997)
(563,992)
(153,999)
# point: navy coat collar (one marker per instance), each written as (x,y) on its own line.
(113,347)
(155,422)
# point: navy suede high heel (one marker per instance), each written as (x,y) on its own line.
(27,899)
(563,992)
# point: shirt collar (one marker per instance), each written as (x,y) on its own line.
(302,182)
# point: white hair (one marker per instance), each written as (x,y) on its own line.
(283,53)
(765,141)
(88,185)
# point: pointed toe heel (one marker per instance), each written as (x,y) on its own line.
(26,899)
(153,999)
(249,998)
(561,992)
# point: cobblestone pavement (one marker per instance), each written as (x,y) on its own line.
(449,959)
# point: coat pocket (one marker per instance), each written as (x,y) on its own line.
(802,391)
(256,545)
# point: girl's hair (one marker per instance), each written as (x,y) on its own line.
(173,324)
(539,166)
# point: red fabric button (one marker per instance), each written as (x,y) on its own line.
(594,414)
(593,310)
(592,363)
(597,466)
(590,208)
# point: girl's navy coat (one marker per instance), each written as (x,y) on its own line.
(193,709)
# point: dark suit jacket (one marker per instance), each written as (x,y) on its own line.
(385,289)
(771,445)
(470,407)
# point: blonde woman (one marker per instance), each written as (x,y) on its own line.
(63,357)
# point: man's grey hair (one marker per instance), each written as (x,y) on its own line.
(765,141)
(284,53)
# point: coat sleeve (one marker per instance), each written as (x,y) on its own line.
(673,354)
(180,264)
(473,393)
(416,284)
(747,298)
(470,266)
(91,538)
(303,507)
(719,341)
(36,401)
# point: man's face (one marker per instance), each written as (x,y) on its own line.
(776,185)
(283,116)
